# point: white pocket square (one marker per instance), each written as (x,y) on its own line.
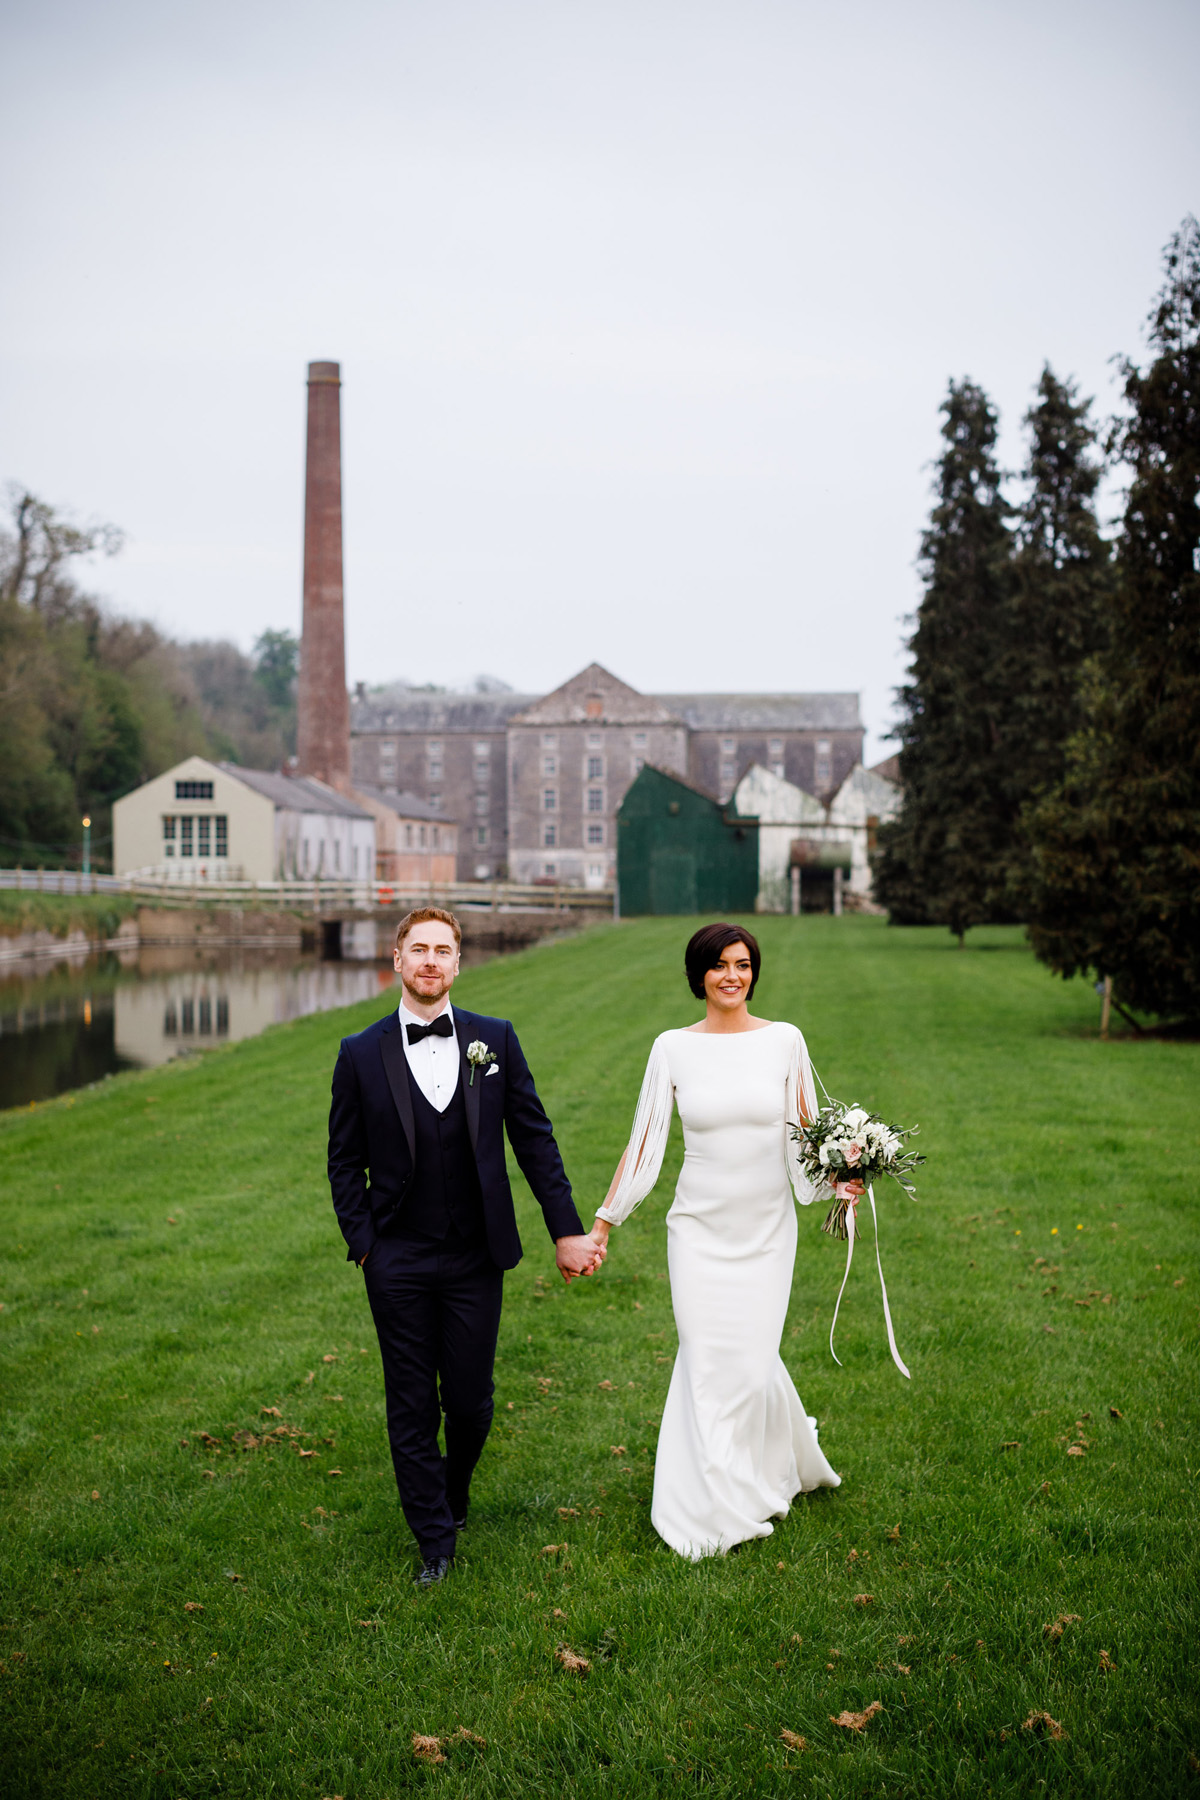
(494,1070)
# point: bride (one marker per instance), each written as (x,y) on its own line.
(736,1445)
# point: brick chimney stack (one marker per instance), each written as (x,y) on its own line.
(323,723)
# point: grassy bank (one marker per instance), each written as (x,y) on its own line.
(96,915)
(171,1267)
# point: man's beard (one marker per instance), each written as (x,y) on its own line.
(427,999)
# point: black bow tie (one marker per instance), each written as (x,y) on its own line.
(443,1026)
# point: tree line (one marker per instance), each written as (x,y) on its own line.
(92,704)
(1050,723)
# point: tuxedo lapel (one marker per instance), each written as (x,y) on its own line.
(464,1031)
(395,1067)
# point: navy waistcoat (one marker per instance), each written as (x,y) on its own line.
(444,1197)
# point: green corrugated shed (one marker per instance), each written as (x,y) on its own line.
(680,851)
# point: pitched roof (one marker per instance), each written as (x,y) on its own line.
(863,793)
(728,807)
(405,806)
(406,709)
(775,801)
(619,704)
(295,793)
(765,712)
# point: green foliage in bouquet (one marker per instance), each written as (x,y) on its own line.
(847,1143)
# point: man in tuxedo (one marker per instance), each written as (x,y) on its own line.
(421,1100)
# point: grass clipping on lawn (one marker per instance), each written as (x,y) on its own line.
(206,1578)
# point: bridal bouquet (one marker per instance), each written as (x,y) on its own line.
(847,1143)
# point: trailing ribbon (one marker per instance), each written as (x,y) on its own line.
(850,1230)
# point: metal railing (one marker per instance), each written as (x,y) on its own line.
(320,895)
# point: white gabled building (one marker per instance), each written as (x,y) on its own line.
(865,801)
(214,821)
(795,827)
(784,813)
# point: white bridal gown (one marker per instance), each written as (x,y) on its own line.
(735,1445)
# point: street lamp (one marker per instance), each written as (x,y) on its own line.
(87,845)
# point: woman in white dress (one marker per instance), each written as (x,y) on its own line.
(736,1445)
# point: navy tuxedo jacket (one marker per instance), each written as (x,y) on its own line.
(371,1136)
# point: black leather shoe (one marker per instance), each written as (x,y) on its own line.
(433,1570)
(459,1515)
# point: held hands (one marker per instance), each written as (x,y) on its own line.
(577,1256)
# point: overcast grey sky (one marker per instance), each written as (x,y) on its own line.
(644,311)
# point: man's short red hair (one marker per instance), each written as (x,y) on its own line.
(418,916)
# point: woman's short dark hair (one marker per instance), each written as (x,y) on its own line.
(704,953)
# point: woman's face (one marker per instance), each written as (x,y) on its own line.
(727,986)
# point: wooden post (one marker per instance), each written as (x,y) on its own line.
(1106,1006)
(837,893)
(795,875)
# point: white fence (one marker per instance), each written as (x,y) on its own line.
(320,896)
(60,881)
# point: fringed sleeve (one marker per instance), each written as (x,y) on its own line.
(801,1107)
(647,1140)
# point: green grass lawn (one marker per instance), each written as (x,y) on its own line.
(172,1268)
(96,915)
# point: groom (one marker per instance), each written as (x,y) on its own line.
(421,1100)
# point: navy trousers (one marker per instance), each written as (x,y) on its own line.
(436,1307)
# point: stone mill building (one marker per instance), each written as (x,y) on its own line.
(535,781)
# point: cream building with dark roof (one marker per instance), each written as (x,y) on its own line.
(215,821)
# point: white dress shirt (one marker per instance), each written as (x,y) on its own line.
(434,1061)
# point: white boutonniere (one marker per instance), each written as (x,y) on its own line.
(479,1056)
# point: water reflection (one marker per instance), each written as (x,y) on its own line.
(69,1026)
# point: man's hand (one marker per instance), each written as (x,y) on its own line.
(577,1256)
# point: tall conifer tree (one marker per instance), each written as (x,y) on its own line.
(1116,884)
(943,859)
(1062,586)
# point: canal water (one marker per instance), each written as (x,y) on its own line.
(68,1025)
